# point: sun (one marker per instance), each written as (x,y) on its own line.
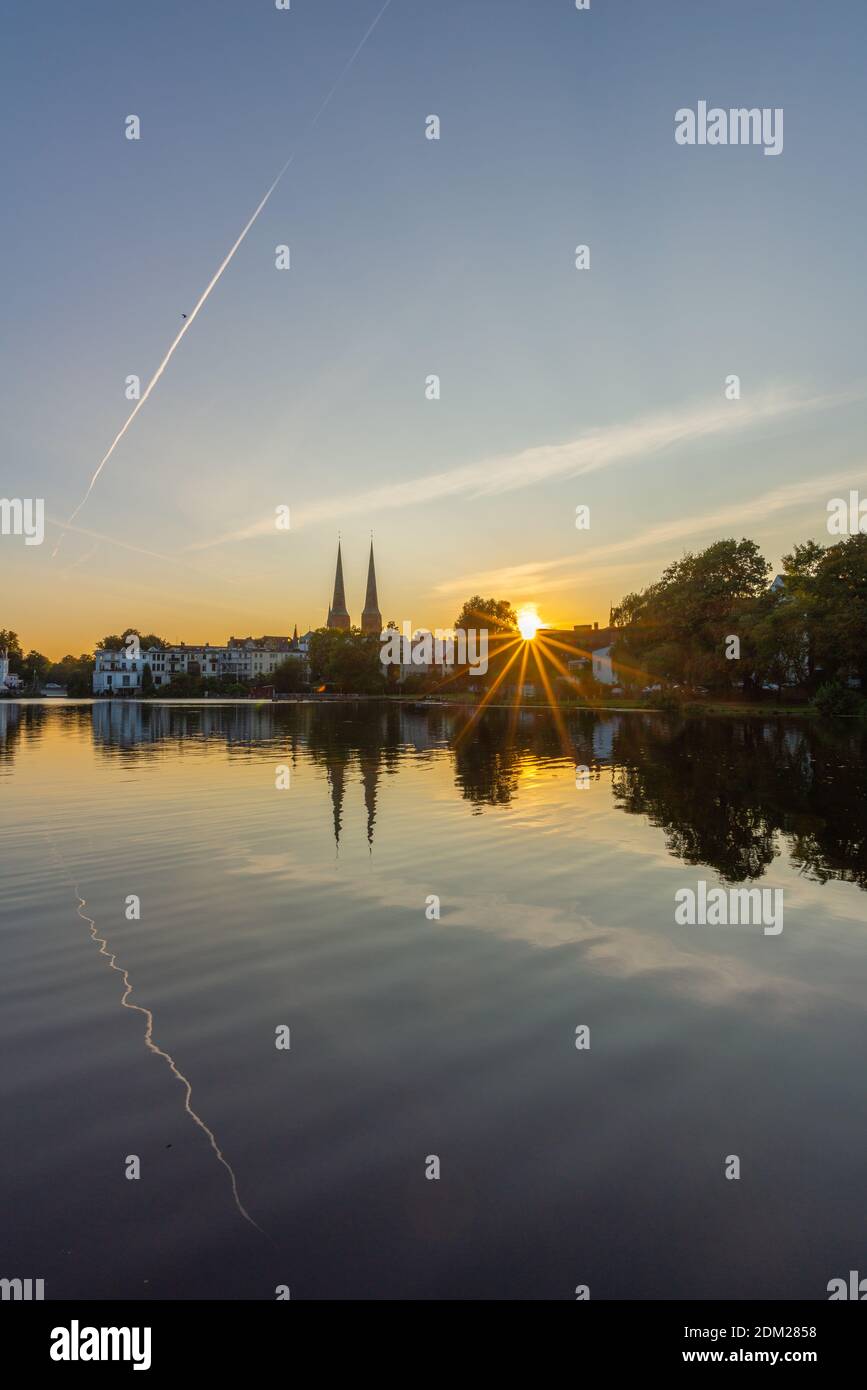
(528,623)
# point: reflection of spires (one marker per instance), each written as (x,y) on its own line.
(371,618)
(337,781)
(338,615)
(370,761)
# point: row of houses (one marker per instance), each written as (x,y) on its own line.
(255,659)
(242,658)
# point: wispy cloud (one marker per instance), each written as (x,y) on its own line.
(101,537)
(541,576)
(531,579)
(98,536)
(588,453)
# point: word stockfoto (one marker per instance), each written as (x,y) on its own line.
(737,126)
(755,907)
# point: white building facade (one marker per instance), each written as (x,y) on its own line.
(7,680)
(245,658)
(603,666)
(115,673)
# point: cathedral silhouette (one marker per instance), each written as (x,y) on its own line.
(338,613)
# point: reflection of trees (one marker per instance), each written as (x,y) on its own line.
(21,724)
(724,790)
(491,752)
(700,783)
(827,832)
(487,762)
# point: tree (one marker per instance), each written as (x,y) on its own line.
(289,675)
(347,660)
(677,628)
(10,644)
(115,643)
(496,615)
(35,669)
(74,672)
(840,591)
(776,643)
(498,619)
(800,600)
(147,680)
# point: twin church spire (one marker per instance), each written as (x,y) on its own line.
(338,614)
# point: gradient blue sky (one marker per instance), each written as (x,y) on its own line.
(411,257)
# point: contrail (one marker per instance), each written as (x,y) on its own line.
(188,323)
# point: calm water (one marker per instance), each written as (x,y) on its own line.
(412,1037)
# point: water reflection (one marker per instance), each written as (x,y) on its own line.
(727,792)
(732,794)
(410,1035)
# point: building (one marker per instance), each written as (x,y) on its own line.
(117,673)
(8,681)
(338,614)
(241,659)
(371,618)
(583,637)
(252,658)
(414,651)
(603,667)
(592,647)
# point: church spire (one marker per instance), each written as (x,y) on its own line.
(338,616)
(371,618)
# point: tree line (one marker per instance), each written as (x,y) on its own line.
(807,631)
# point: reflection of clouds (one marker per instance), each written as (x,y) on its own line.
(825,908)
(626,953)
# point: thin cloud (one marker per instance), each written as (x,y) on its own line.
(107,539)
(594,450)
(533,578)
(544,575)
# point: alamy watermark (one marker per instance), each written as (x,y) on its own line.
(847,517)
(439,648)
(22,1290)
(730,907)
(855,1289)
(737,126)
(77,1343)
(23,516)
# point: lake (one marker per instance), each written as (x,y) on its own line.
(426,912)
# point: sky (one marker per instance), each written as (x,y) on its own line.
(409,257)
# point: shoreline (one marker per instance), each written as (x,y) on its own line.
(692,710)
